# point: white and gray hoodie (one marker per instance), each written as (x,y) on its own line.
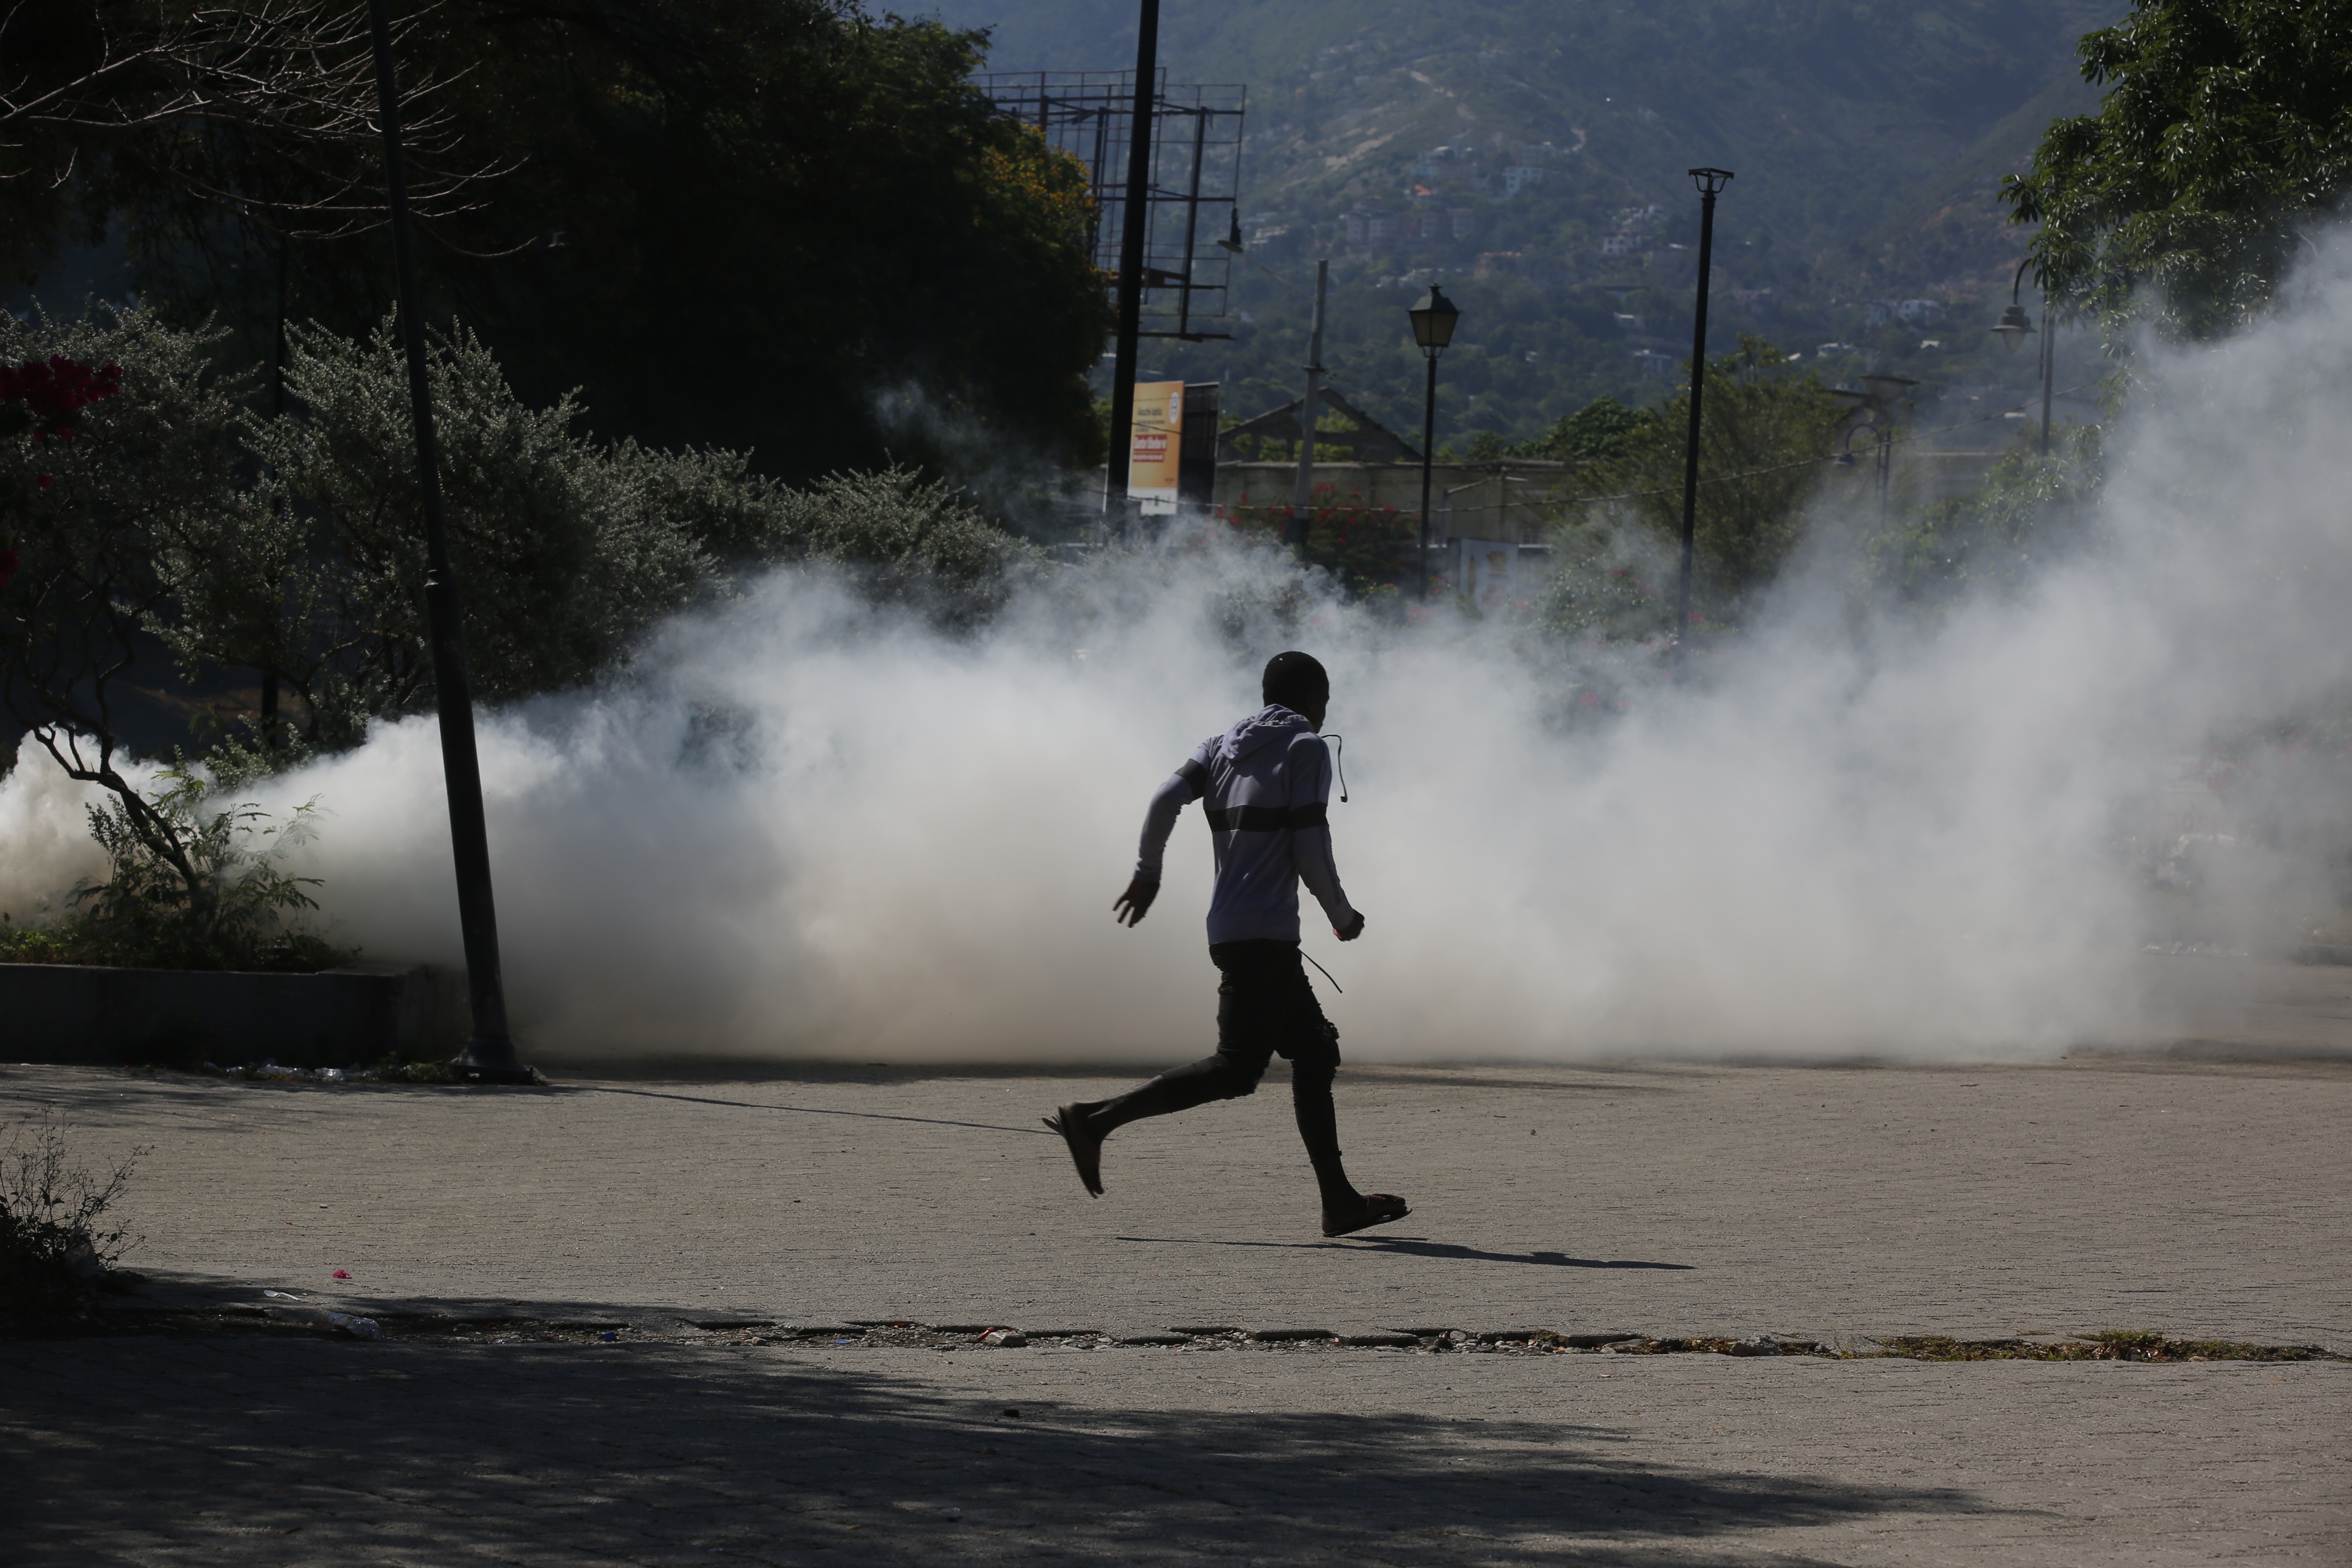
(1266,782)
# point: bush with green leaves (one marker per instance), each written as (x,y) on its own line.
(195,881)
(565,548)
(905,539)
(2030,507)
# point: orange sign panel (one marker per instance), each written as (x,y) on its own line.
(1155,442)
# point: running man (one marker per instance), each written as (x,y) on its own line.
(1266,782)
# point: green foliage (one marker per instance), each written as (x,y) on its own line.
(566,548)
(149,474)
(732,222)
(195,882)
(1610,586)
(908,539)
(2225,138)
(1602,431)
(1762,440)
(57,1241)
(2030,507)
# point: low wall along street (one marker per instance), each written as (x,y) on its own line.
(98,1016)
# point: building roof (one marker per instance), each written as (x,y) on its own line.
(1368,442)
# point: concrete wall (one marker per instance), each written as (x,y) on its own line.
(358,1014)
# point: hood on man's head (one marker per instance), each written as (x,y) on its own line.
(1269,722)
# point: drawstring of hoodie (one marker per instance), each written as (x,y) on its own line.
(1340,760)
(1327,973)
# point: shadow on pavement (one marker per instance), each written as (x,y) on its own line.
(1418,1248)
(261,1452)
(799,1110)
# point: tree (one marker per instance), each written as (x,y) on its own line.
(566,548)
(150,537)
(1596,433)
(1761,443)
(736,223)
(2031,507)
(150,469)
(2225,135)
(264,108)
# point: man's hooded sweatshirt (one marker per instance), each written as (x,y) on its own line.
(1265,784)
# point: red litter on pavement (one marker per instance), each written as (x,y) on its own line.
(339,1274)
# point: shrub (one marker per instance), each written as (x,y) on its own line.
(194,884)
(905,540)
(56,1241)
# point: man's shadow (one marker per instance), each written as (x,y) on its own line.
(1418,1247)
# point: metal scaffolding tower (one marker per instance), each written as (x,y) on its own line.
(1196,158)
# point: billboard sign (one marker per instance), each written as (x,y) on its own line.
(1155,444)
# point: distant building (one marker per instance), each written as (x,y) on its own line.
(1369,225)
(1625,242)
(1653,362)
(1438,161)
(1520,175)
(1919,313)
(1461,222)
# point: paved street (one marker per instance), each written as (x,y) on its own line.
(258,1452)
(2197,1197)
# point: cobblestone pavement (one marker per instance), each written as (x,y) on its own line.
(308,1451)
(2196,1199)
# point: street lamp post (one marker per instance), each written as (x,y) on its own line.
(2015,326)
(489,1054)
(1433,329)
(1710,182)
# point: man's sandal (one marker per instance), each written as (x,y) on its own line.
(1379,1208)
(1085,1149)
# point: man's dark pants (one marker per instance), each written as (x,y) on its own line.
(1265,1008)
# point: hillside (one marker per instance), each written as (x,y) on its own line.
(1867,141)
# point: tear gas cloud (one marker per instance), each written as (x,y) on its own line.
(805,827)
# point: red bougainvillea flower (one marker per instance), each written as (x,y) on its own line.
(54,392)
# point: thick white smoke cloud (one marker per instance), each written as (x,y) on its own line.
(808,829)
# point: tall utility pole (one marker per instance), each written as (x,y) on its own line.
(489,1055)
(1303,495)
(2049,365)
(1134,227)
(1710,182)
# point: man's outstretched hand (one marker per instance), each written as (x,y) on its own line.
(1136,902)
(1355,929)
